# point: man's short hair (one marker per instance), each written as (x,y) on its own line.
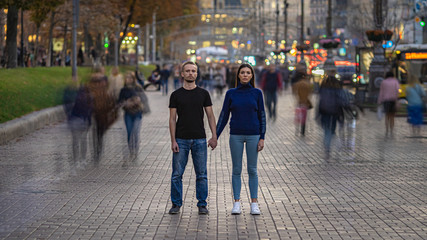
(188,63)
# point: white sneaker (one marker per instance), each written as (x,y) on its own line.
(255,209)
(236,209)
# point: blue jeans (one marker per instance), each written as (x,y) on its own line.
(329,123)
(164,87)
(133,126)
(236,146)
(199,154)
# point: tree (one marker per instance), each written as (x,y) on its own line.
(39,11)
(12,30)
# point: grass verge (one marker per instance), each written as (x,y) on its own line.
(24,90)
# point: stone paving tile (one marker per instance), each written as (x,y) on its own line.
(373,187)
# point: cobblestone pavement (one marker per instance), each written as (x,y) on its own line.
(372,187)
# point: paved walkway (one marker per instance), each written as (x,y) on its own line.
(373,187)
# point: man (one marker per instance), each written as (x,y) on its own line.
(271,83)
(188,134)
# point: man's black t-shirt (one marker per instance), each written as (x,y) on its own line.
(190,106)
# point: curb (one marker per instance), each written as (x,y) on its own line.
(30,123)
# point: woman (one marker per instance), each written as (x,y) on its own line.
(302,90)
(133,101)
(415,94)
(247,125)
(389,92)
(330,108)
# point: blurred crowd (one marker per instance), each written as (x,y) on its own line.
(94,106)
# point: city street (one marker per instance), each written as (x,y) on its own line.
(372,187)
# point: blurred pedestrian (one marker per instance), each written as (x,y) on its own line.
(284,70)
(131,99)
(104,109)
(389,93)
(302,90)
(177,82)
(271,84)
(115,82)
(329,109)
(247,126)
(188,134)
(415,94)
(164,79)
(78,107)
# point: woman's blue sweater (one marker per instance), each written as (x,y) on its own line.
(246,105)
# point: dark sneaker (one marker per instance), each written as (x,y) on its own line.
(203,210)
(174,209)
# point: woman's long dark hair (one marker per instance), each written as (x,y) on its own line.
(252,81)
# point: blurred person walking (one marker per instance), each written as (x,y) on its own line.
(116,82)
(415,94)
(187,133)
(271,84)
(134,103)
(177,81)
(104,109)
(389,92)
(247,127)
(302,90)
(164,79)
(329,109)
(78,107)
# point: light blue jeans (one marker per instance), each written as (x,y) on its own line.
(237,143)
(199,153)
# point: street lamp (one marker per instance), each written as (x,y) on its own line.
(378,64)
(138,32)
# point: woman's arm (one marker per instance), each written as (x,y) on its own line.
(225,114)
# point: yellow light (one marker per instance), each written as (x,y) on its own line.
(121,34)
(129,34)
(217,15)
(269,42)
(223,15)
(398,51)
(30,38)
(203,18)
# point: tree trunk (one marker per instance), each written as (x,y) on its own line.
(1,37)
(36,48)
(50,45)
(12,31)
(64,46)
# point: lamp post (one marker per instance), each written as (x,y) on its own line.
(302,31)
(378,64)
(285,14)
(74,40)
(154,36)
(329,65)
(277,25)
(138,33)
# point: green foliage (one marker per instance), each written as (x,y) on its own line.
(24,90)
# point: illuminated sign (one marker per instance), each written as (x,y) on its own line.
(415,55)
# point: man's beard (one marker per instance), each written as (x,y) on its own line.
(190,80)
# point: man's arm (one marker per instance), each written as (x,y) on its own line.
(172,129)
(212,125)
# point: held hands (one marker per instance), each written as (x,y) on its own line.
(212,143)
(260,145)
(175,147)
